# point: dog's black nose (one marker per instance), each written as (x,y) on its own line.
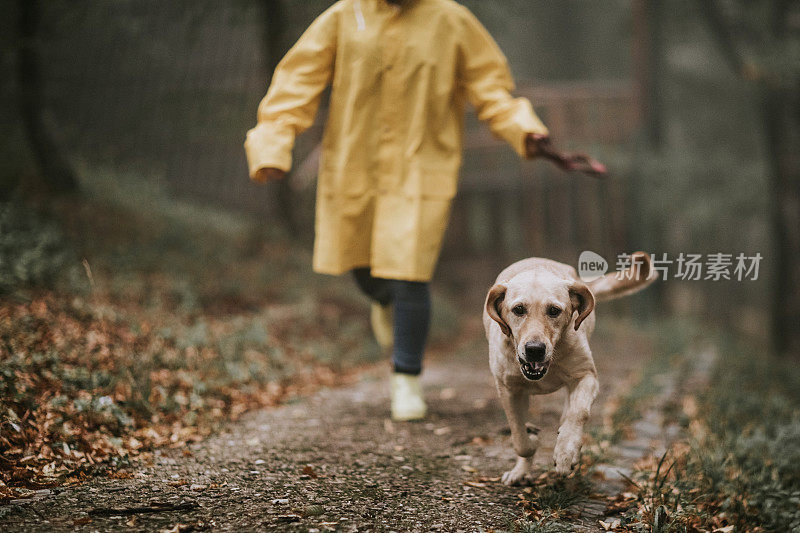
(535,351)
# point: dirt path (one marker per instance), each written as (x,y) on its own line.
(335,461)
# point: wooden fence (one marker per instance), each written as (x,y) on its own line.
(175,107)
(507,207)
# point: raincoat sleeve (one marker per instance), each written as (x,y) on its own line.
(293,96)
(484,73)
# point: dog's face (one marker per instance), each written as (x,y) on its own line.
(534,309)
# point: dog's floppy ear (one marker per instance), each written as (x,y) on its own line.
(493,302)
(582,301)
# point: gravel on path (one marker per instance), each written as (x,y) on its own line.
(334,461)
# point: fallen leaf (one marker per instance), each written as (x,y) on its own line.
(313,510)
(178,528)
(610,525)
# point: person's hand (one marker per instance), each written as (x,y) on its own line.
(267,174)
(538,145)
(533,142)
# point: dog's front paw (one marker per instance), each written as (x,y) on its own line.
(517,474)
(565,458)
(513,477)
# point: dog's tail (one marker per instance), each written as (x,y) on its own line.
(621,283)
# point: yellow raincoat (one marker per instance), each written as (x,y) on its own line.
(400,77)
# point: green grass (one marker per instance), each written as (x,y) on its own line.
(544,526)
(32,249)
(549,505)
(748,463)
(560,494)
(547,523)
(739,461)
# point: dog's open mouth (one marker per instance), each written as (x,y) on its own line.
(534,371)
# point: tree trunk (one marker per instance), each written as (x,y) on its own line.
(646,232)
(274,28)
(781,114)
(55,169)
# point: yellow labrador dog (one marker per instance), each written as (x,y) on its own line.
(538,319)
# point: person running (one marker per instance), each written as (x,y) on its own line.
(401,73)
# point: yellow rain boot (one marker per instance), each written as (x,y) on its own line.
(380,317)
(407,400)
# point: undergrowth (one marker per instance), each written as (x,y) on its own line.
(746,460)
(552,501)
(137,321)
(738,465)
(32,249)
(131,320)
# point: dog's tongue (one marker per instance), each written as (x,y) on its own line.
(539,366)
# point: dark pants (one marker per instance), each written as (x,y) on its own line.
(412,316)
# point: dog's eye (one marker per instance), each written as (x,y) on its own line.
(553,311)
(518,310)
